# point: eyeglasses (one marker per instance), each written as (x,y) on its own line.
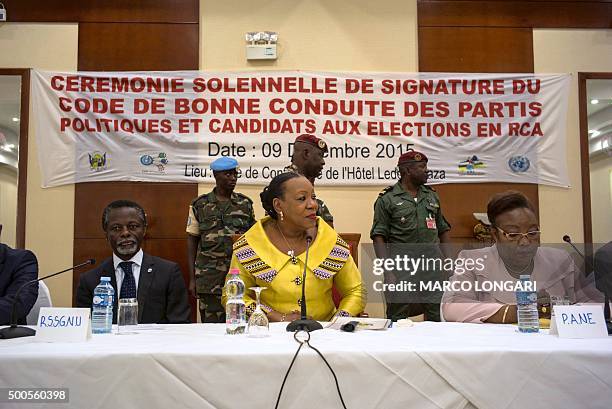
(516,237)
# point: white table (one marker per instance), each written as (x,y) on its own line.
(429,365)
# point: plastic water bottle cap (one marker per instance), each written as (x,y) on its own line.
(105,279)
(234,271)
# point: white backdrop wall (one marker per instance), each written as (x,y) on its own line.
(569,51)
(49,233)
(8,204)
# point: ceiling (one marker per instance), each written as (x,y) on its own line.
(10,102)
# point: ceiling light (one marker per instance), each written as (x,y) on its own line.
(594,101)
(594,133)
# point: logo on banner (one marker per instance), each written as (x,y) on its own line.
(469,166)
(519,164)
(97,161)
(154,163)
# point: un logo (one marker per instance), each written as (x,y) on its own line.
(519,164)
(146,160)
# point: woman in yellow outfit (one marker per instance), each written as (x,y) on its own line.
(272,253)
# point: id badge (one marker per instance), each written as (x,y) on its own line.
(431,222)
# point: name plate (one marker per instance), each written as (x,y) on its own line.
(579,321)
(63,325)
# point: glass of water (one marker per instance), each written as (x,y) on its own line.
(558,300)
(127,316)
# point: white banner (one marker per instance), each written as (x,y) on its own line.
(169,126)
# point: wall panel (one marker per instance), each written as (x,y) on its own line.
(166,212)
(475,49)
(110,11)
(497,36)
(525,14)
(136,47)
(460,201)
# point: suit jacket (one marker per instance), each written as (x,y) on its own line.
(16,268)
(162,296)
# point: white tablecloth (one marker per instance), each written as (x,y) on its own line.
(429,365)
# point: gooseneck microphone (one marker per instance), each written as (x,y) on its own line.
(588,265)
(304,324)
(568,240)
(15,331)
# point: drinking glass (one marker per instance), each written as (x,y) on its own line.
(557,300)
(127,316)
(258,326)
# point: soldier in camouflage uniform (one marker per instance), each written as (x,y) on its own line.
(307,160)
(213,218)
(409,213)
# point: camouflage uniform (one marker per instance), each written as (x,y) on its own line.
(322,209)
(215,222)
(400,219)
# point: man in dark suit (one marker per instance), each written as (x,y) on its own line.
(157,283)
(16,268)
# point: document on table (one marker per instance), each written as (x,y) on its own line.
(363,323)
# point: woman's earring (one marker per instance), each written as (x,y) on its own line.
(281,215)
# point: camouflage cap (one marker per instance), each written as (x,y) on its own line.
(312,140)
(412,156)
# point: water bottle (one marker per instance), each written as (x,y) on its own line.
(102,314)
(527,306)
(235,310)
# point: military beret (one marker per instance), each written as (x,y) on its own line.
(224,163)
(412,156)
(312,140)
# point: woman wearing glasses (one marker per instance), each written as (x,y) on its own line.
(483,289)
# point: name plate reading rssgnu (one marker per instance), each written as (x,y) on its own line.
(579,321)
(63,325)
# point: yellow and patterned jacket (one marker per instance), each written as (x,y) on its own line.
(329,263)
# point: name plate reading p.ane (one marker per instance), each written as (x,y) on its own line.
(63,325)
(579,321)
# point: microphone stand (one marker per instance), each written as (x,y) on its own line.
(15,331)
(304,324)
(590,266)
(607,313)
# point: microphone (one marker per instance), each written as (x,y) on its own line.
(350,326)
(304,324)
(568,240)
(15,331)
(587,263)
(598,279)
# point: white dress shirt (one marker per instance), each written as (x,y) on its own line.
(119,274)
